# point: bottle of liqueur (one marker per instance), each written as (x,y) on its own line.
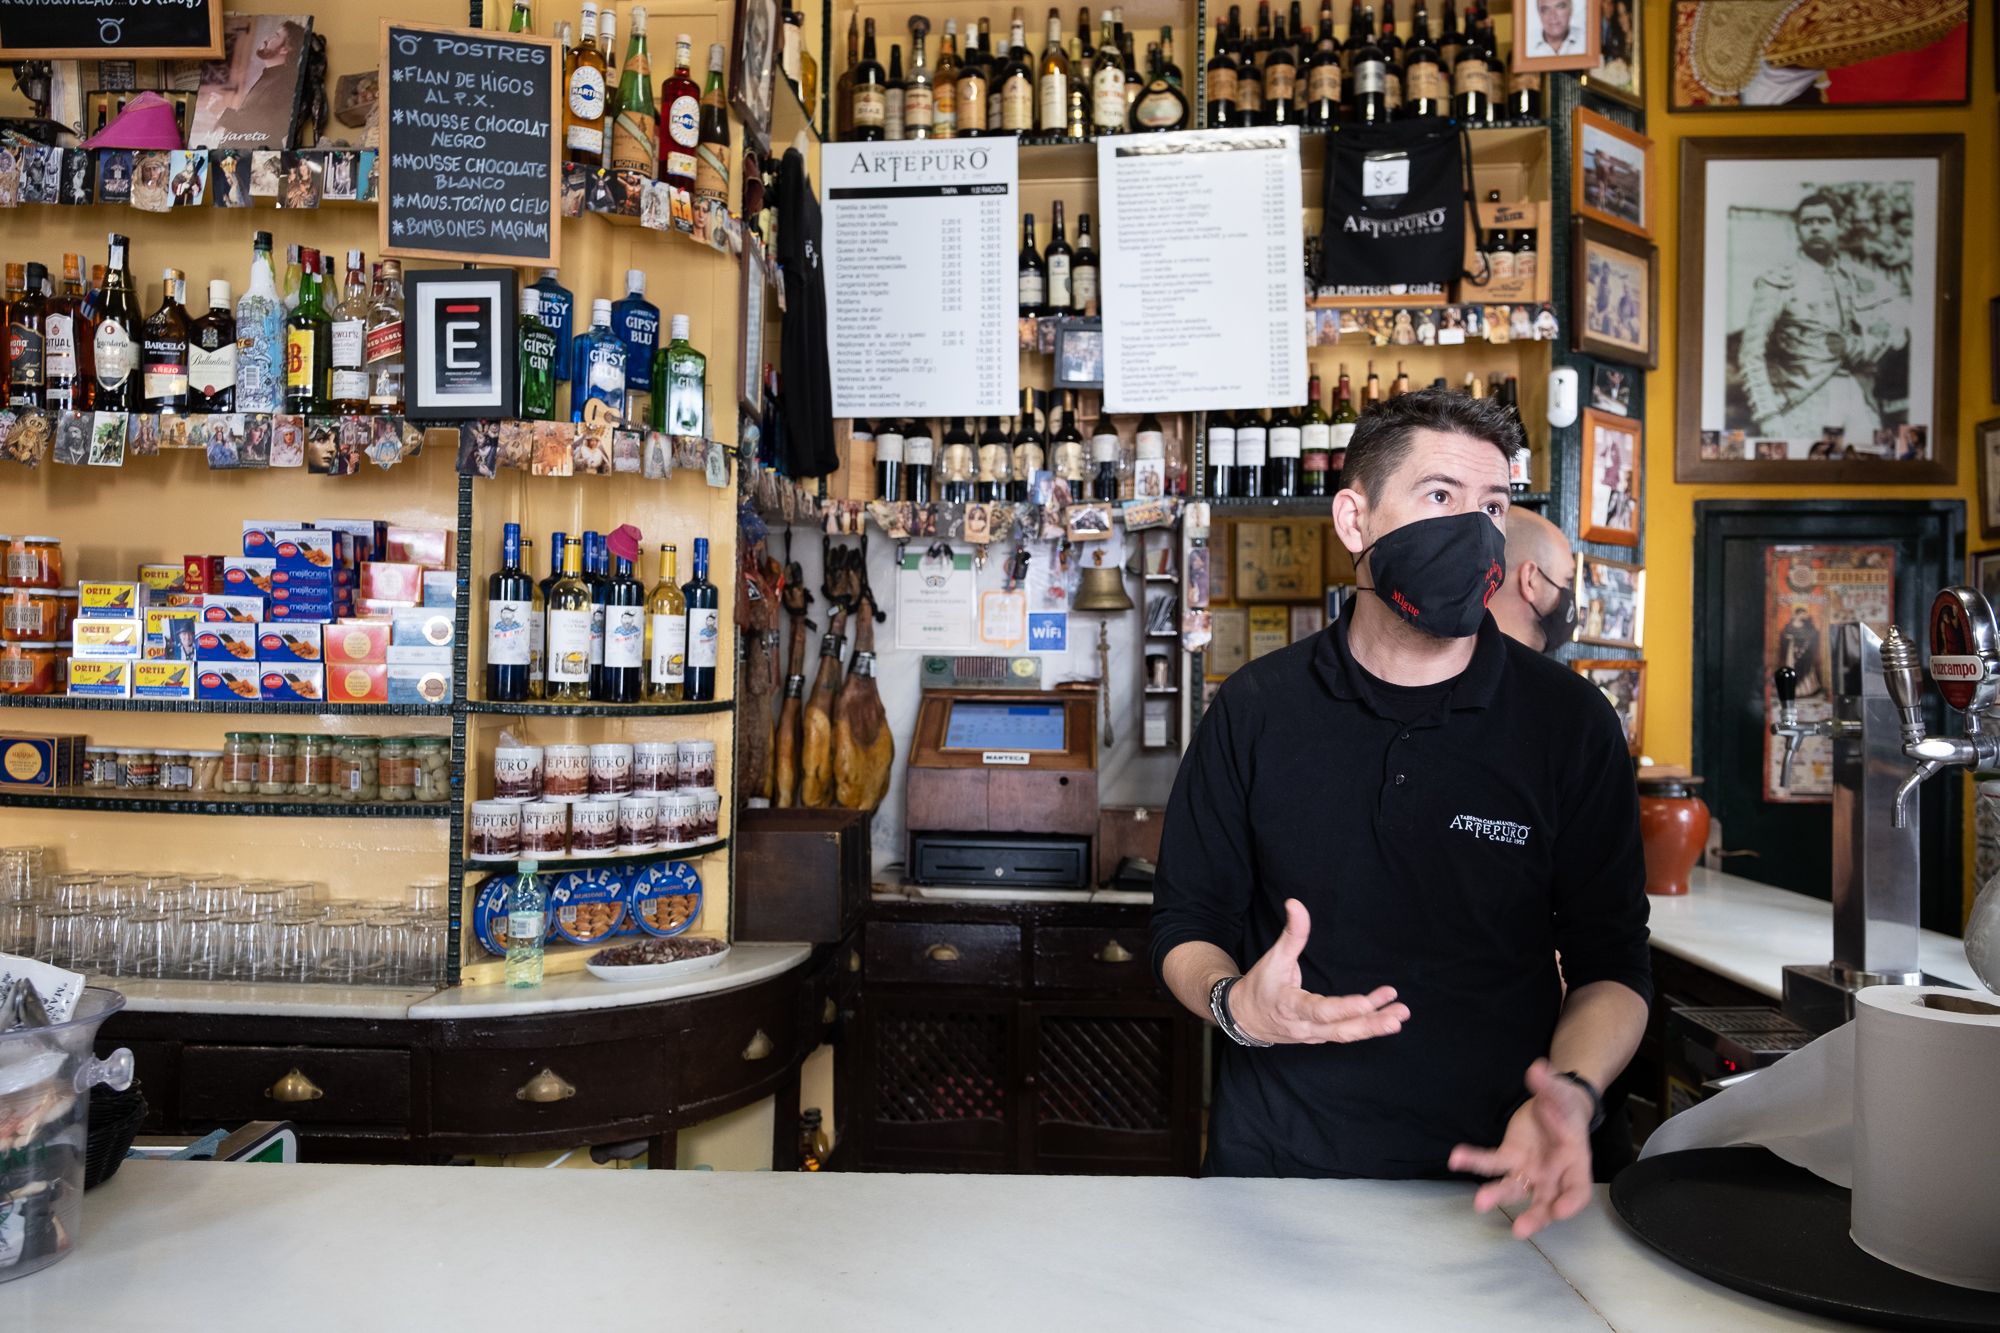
(598,391)
(681,380)
(1083,288)
(1220,109)
(635,134)
(1253,440)
(65,330)
(382,345)
(892,95)
(704,629)
(163,351)
(1471,81)
(260,336)
(1249,76)
(1426,89)
(996,462)
(971,91)
(889,460)
(1315,435)
(115,341)
(1221,448)
(1106,453)
(711,158)
(1392,59)
(870,93)
(919,90)
(347,384)
(568,615)
(919,448)
(1161,105)
(583,122)
(1052,77)
(510,597)
(1368,78)
(1323,75)
(623,678)
(956,485)
(1033,273)
(557,305)
(539,626)
(1017,82)
(538,361)
(944,86)
(843,88)
(307,355)
(666,632)
(27,342)
(1030,454)
(211,354)
(680,119)
(1280,73)
(1107,83)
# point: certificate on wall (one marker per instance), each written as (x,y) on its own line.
(921,287)
(937,601)
(1202,270)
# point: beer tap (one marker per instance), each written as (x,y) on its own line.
(1965,663)
(1785,682)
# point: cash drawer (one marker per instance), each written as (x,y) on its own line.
(1092,958)
(945,954)
(307,1084)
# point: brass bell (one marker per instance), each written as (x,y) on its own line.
(1102,588)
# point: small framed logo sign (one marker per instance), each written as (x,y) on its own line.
(459,344)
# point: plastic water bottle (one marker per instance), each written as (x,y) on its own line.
(526,922)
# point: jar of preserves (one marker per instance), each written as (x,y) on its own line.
(176,770)
(30,615)
(398,762)
(207,765)
(356,768)
(433,759)
(34,562)
(139,770)
(239,762)
(28,668)
(100,767)
(277,764)
(67,601)
(314,773)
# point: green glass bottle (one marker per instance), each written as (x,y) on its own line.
(680,385)
(538,361)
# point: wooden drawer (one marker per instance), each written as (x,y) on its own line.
(533,1091)
(230,1084)
(1092,958)
(737,1039)
(944,954)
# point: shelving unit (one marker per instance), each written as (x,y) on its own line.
(205,803)
(557,864)
(67,703)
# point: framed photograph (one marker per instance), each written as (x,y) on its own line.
(114,175)
(1617,288)
(250,97)
(231,187)
(1229,646)
(753,64)
(1611,389)
(187,170)
(1622,681)
(1611,453)
(459,343)
(1612,176)
(1819,282)
(1621,62)
(342,176)
(1986,439)
(1555,34)
(1610,603)
(1079,354)
(1279,561)
(1729,55)
(1986,575)
(301,187)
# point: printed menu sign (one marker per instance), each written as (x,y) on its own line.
(93,30)
(469,145)
(1203,270)
(921,294)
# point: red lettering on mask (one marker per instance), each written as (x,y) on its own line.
(1403,603)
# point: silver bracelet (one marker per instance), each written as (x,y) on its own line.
(1218,1008)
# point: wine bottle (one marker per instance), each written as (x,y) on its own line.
(996,463)
(1253,438)
(870,109)
(1033,273)
(889,452)
(704,630)
(1083,270)
(115,341)
(1221,440)
(510,596)
(667,632)
(1059,265)
(1106,450)
(1282,449)
(1315,434)
(623,678)
(918,450)
(567,615)
(1030,455)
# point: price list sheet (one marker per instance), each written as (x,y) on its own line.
(1203,270)
(921,290)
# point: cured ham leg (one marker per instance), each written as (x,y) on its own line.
(816,754)
(785,791)
(864,751)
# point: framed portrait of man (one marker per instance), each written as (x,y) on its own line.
(1614,294)
(1818,308)
(1555,34)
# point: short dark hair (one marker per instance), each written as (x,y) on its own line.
(1818,199)
(1381,439)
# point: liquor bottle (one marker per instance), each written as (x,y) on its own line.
(1106,454)
(1161,105)
(567,615)
(523,19)
(510,596)
(538,361)
(347,381)
(1450,41)
(889,460)
(307,355)
(1471,80)
(382,345)
(294,277)
(607,46)
(918,450)
(1221,450)
(681,378)
(1426,91)
(1323,75)
(1059,262)
(944,87)
(163,351)
(1521,464)
(892,96)
(971,93)
(1368,77)
(211,354)
(1526,263)
(704,629)
(636,321)
(1315,433)
(667,631)
(527,923)
(1249,75)
(1030,454)
(1371,390)
(260,336)
(1221,105)
(114,342)
(995,67)
(843,88)
(1392,59)
(711,158)
(680,119)
(1083,285)
(996,462)
(1253,438)
(597,388)
(635,132)
(557,307)
(25,373)
(1284,444)
(624,676)
(539,626)
(1280,72)
(1032,273)
(1499,247)
(1340,430)
(537,668)
(583,124)
(1135,82)
(65,330)
(920,89)
(1017,81)
(1052,77)
(956,486)
(1107,83)
(870,92)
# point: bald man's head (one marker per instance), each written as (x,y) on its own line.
(1539,565)
(1530,537)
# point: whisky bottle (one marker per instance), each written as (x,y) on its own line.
(666,629)
(211,363)
(382,346)
(307,355)
(347,379)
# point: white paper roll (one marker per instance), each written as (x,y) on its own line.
(1927,1132)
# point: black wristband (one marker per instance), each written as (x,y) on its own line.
(1596,1099)
(1218,1008)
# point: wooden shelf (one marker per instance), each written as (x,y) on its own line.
(553,865)
(537,708)
(558,958)
(65,703)
(210,803)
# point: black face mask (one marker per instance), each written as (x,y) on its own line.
(1558,623)
(1439,573)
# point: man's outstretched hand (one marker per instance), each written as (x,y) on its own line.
(1271,1005)
(1544,1159)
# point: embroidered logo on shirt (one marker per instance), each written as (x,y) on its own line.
(1493,830)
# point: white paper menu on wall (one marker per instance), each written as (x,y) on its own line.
(1203,270)
(921,288)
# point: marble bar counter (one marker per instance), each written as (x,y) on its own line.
(1749,933)
(221,1248)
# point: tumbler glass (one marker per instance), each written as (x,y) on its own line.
(203,946)
(145,945)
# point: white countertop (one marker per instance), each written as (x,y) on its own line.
(262,998)
(1750,932)
(214,1247)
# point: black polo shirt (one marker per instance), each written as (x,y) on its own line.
(1449,841)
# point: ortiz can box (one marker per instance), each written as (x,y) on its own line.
(91,678)
(163,680)
(31,760)
(109,599)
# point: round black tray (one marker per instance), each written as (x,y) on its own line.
(1750,1220)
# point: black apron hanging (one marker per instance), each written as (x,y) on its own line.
(1396,201)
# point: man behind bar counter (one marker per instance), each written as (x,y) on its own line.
(1400,823)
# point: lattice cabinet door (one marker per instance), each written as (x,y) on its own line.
(1111,1089)
(941,1081)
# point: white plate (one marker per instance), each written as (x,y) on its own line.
(656,971)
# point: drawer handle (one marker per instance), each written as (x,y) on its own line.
(854,960)
(760,1047)
(547,1086)
(1114,952)
(295,1087)
(942,953)
(829,1011)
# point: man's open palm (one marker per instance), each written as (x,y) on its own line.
(1270,1003)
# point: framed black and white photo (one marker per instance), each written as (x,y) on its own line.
(752,67)
(1610,602)
(1079,354)
(1622,681)
(1555,34)
(1819,309)
(1986,439)
(1615,293)
(1621,63)
(1611,389)
(459,344)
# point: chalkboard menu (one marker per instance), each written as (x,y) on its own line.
(82,30)
(469,145)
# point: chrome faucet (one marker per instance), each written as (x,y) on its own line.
(1785,682)
(1965,663)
